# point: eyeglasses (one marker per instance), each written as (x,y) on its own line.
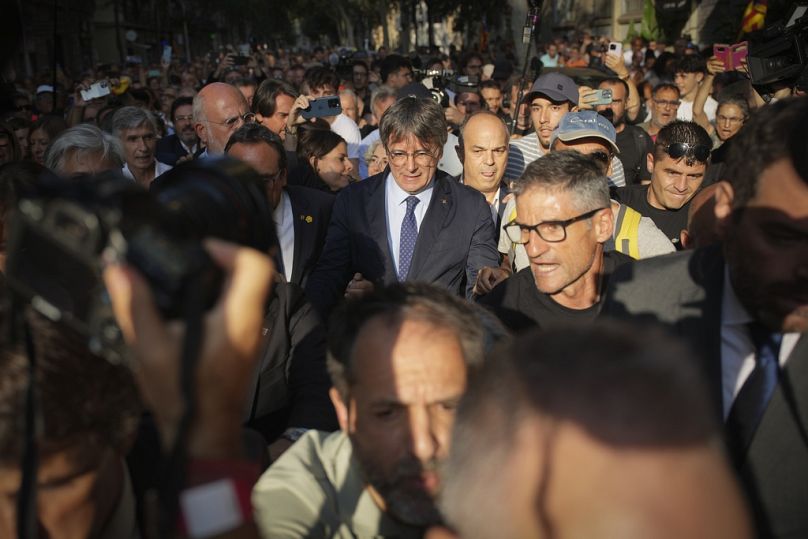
(665,103)
(728,119)
(421,157)
(187,118)
(549,231)
(247,118)
(474,66)
(677,150)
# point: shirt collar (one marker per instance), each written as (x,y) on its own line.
(399,195)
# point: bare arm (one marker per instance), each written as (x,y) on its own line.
(714,65)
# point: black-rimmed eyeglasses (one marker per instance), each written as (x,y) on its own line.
(549,231)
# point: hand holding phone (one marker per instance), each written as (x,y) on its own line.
(615,48)
(322,106)
(598,97)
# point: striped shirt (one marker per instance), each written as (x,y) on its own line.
(523,151)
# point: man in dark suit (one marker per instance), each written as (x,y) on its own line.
(743,306)
(408,223)
(301,215)
(184,141)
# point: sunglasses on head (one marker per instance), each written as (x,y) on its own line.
(677,150)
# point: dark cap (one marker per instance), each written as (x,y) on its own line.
(556,86)
(414,89)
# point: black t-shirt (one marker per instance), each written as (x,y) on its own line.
(670,222)
(519,304)
(635,145)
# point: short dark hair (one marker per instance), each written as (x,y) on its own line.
(86,403)
(255,133)
(615,81)
(362,63)
(665,86)
(391,64)
(490,84)
(623,387)
(399,302)
(571,172)
(184,101)
(264,100)
(681,132)
(774,132)
(421,118)
(691,63)
(318,77)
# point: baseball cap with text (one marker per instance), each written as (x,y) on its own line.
(585,124)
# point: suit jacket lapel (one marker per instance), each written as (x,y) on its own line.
(303,236)
(439,211)
(794,384)
(376,205)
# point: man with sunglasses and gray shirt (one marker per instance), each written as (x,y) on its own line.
(677,165)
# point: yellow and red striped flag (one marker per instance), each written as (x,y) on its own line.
(754,15)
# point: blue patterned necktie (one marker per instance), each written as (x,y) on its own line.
(409,233)
(753,398)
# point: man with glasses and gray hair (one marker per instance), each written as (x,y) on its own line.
(136,128)
(677,164)
(219,109)
(563,219)
(414,223)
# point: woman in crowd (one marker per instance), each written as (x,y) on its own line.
(376,158)
(327,154)
(42,132)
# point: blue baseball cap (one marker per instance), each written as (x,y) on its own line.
(585,124)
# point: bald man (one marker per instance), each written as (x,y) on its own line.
(219,109)
(483,150)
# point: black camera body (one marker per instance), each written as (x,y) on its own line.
(65,232)
(779,53)
(438,81)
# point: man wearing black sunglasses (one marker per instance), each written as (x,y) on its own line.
(563,219)
(678,164)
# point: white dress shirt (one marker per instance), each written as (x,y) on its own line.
(159,168)
(737,349)
(285,227)
(395,201)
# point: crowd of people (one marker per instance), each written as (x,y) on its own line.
(455,303)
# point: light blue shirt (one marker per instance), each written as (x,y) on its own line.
(395,201)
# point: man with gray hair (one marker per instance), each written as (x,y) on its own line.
(136,128)
(413,223)
(563,218)
(84,149)
(399,362)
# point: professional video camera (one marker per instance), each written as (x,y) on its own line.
(439,81)
(65,231)
(779,53)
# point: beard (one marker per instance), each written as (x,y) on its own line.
(405,500)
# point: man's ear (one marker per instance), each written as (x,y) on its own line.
(684,239)
(340,407)
(649,162)
(699,77)
(604,225)
(724,197)
(313,162)
(201,132)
